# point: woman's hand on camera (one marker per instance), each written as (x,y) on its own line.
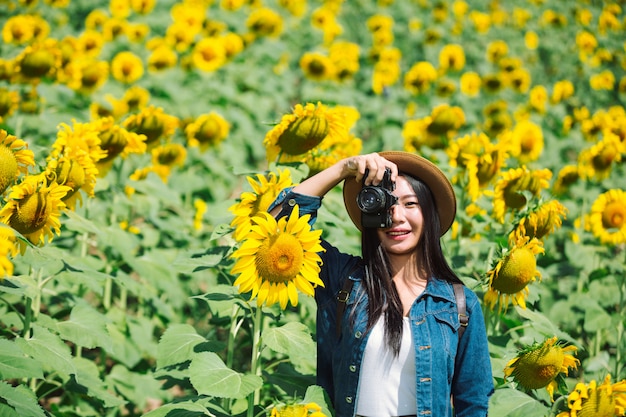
(372,166)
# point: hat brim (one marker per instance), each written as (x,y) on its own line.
(420,168)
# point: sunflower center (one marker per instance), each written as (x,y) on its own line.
(538,368)
(8,168)
(517,271)
(32,214)
(614,215)
(599,404)
(303,135)
(280,259)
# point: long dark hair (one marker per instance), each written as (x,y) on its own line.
(382,295)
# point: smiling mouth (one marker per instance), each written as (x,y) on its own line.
(397,233)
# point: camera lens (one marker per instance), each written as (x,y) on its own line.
(371,200)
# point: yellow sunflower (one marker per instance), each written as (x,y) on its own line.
(297,410)
(542,365)
(264,191)
(607,219)
(207,130)
(470,83)
(209,54)
(451,58)
(82,136)
(540,221)
(166,157)
(568,175)
(528,140)
(75,169)
(509,189)
(591,400)
(419,78)
(516,268)
(33,209)
(279,258)
(7,251)
(317,66)
(116,141)
(264,21)
(15,158)
(152,122)
(303,129)
(126,67)
(596,162)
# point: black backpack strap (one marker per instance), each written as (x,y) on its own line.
(461,306)
(342,301)
(344,295)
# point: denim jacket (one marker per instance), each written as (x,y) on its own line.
(445,366)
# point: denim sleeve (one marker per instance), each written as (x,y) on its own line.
(307,204)
(473,381)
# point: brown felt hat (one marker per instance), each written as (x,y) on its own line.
(417,167)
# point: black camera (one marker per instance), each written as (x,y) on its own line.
(375,202)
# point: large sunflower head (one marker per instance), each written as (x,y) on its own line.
(591,400)
(516,268)
(303,130)
(33,208)
(15,158)
(540,221)
(509,189)
(279,258)
(607,219)
(542,365)
(265,189)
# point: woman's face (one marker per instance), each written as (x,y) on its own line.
(407,222)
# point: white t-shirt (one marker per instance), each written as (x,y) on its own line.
(387,386)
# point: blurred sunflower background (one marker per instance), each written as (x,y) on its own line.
(141,141)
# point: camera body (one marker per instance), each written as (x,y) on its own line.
(375,202)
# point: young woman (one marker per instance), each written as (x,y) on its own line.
(393,348)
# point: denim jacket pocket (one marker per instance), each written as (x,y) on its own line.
(448,322)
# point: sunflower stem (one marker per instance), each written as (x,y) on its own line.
(235,325)
(106,296)
(255,368)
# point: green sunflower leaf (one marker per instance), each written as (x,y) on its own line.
(18,402)
(210,376)
(177,345)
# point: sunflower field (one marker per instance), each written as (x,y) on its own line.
(142,142)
